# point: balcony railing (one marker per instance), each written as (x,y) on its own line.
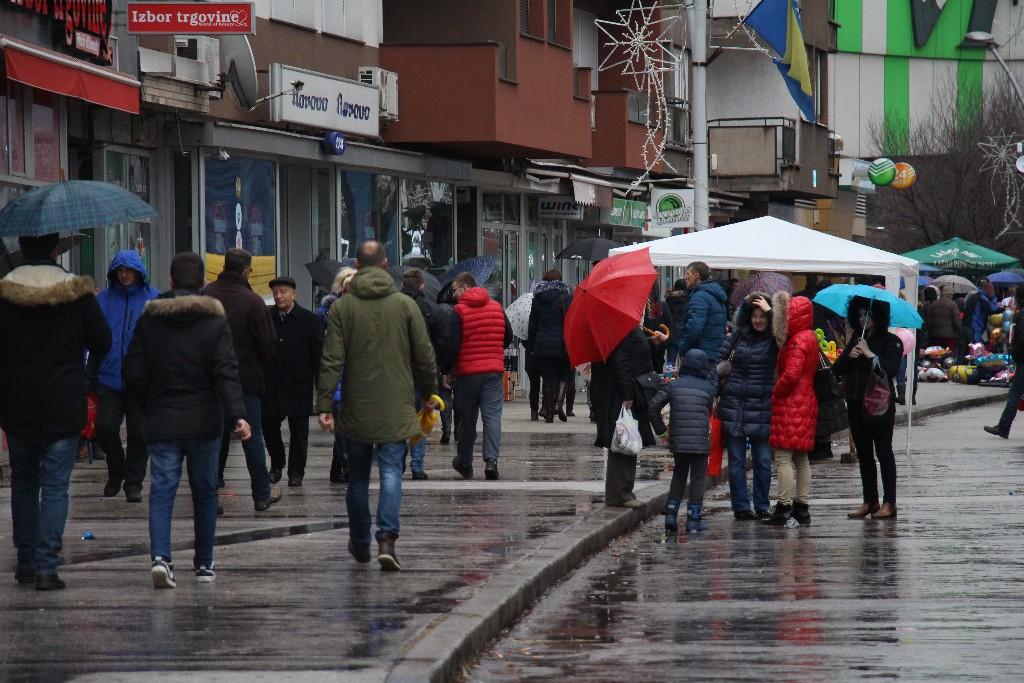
(753,146)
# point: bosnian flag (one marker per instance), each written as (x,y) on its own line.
(778,23)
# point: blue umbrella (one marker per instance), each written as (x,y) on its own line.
(480,268)
(1007,277)
(924,280)
(837,298)
(69,206)
(925,268)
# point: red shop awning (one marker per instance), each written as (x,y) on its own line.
(58,73)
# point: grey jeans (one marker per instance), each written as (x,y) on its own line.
(479,395)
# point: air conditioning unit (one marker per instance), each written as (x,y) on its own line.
(203,49)
(386,83)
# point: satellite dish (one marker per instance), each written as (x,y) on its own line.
(1020,165)
(239,64)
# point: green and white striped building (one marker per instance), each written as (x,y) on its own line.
(886,69)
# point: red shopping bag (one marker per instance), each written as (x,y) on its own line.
(91,405)
(715,454)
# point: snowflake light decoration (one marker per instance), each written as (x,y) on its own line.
(638,43)
(1000,154)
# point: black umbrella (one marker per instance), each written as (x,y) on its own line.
(431,285)
(480,268)
(589,249)
(324,270)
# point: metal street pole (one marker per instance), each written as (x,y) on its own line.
(697,14)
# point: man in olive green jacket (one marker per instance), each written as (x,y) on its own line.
(377,342)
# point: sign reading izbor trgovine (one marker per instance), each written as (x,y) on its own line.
(325,101)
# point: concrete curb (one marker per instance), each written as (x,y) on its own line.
(952,407)
(444,647)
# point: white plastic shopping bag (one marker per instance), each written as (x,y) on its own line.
(626,439)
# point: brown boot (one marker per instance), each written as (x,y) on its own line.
(863,511)
(386,554)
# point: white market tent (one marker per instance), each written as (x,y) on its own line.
(768,243)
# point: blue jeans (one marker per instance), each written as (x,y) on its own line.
(761,453)
(165,472)
(390,457)
(418,450)
(1012,396)
(254,449)
(40,473)
(476,395)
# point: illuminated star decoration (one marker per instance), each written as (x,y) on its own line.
(1000,153)
(638,43)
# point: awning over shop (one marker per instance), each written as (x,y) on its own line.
(58,73)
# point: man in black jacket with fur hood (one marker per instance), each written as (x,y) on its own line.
(49,318)
(181,368)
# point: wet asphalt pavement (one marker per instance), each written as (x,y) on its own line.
(934,595)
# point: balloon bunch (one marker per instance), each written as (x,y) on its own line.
(827,347)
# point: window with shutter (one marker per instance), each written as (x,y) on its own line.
(334,17)
(524,16)
(552,21)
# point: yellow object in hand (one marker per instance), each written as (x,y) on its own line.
(428,417)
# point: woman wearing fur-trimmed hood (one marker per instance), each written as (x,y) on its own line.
(794,404)
(745,406)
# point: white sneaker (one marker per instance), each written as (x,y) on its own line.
(162,573)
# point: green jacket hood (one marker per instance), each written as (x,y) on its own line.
(373,283)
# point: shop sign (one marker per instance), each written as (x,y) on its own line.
(202,18)
(334,143)
(324,101)
(86,23)
(628,212)
(557,208)
(671,208)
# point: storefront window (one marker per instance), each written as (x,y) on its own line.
(130,171)
(388,215)
(16,132)
(321,211)
(492,208)
(45,135)
(427,230)
(511,209)
(241,212)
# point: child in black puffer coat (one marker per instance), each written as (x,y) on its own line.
(690,399)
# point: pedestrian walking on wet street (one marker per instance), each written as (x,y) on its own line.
(480,332)
(291,375)
(546,343)
(437,322)
(377,342)
(614,387)
(794,406)
(1002,428)
(122,302)
(50,320)
(872,350)
(690,398)
(252,334)
(181,368)
(747,371)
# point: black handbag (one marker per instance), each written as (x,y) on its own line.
(826,384)
(832,415)
(647,386)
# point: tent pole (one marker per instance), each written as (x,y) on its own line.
(912,360)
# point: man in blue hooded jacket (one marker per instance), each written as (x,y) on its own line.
(705,313)
(122,302)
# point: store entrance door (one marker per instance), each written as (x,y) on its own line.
(502,245)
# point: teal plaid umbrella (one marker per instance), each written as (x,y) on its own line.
(70,206)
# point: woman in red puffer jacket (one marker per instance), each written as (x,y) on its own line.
(794,405)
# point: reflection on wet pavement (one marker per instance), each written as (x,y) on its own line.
(932,596)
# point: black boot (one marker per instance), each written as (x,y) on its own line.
(780,515)
(801,513)
(560,402)
(570,399)
(901,394)
(671,516)
(339,470)
(548,411)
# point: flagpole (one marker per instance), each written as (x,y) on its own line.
(697,14)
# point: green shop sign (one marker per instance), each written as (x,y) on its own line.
(628,212)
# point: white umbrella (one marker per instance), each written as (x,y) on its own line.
(959,285)
(518,313)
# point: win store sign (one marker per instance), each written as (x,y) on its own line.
(671,209)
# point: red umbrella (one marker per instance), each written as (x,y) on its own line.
(607,305)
